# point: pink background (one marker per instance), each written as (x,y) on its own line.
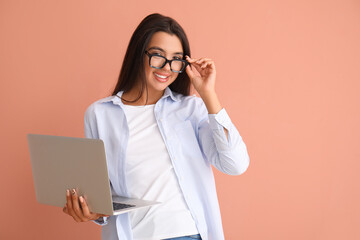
(288,75)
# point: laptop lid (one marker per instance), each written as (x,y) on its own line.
(60,163)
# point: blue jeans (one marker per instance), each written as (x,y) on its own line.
(196,236)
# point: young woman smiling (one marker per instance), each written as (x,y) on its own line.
(160,142)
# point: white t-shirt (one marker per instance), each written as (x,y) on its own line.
(150,176)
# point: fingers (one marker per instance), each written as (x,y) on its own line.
(89,215)
(190,72)
(69,206)
(79,211)
(85,209)
(75,205)
(65,210)
(191,65)
(72,207)
(202,64)
(201,61)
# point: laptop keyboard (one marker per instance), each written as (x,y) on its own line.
(118,206)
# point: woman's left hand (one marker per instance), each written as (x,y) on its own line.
(204,79)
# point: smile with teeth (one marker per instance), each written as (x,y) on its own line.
(161,78)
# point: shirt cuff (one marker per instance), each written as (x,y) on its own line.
(101,221)
(220,120)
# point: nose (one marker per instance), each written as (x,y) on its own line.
(167,67)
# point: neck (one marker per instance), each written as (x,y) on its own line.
(152,97)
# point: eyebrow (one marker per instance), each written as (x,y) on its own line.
(162,50)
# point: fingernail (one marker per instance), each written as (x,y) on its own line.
(67,192)
(81,199)
(73,192)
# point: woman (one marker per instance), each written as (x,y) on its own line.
(160,142)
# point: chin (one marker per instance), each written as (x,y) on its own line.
(159,86)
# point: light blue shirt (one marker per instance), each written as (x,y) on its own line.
(194,139)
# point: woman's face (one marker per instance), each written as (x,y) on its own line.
(166,45)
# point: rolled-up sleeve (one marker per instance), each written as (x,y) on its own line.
(228,154)
(102,221)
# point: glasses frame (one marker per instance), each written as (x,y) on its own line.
(167,61)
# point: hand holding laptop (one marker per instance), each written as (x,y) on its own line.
(77,208)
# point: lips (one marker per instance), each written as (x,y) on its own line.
(162,77)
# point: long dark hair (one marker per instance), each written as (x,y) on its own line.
(132,69)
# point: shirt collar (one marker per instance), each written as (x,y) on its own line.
(116,99)
(175,97)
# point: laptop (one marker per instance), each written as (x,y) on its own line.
(60,163)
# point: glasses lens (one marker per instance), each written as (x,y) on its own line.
(177,65)
(157,61)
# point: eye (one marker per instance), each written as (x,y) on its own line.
(156,53)
(177,58)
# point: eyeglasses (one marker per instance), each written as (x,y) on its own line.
(157,61)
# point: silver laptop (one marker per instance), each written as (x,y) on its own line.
(60,163)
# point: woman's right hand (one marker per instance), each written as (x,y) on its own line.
(80,212)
